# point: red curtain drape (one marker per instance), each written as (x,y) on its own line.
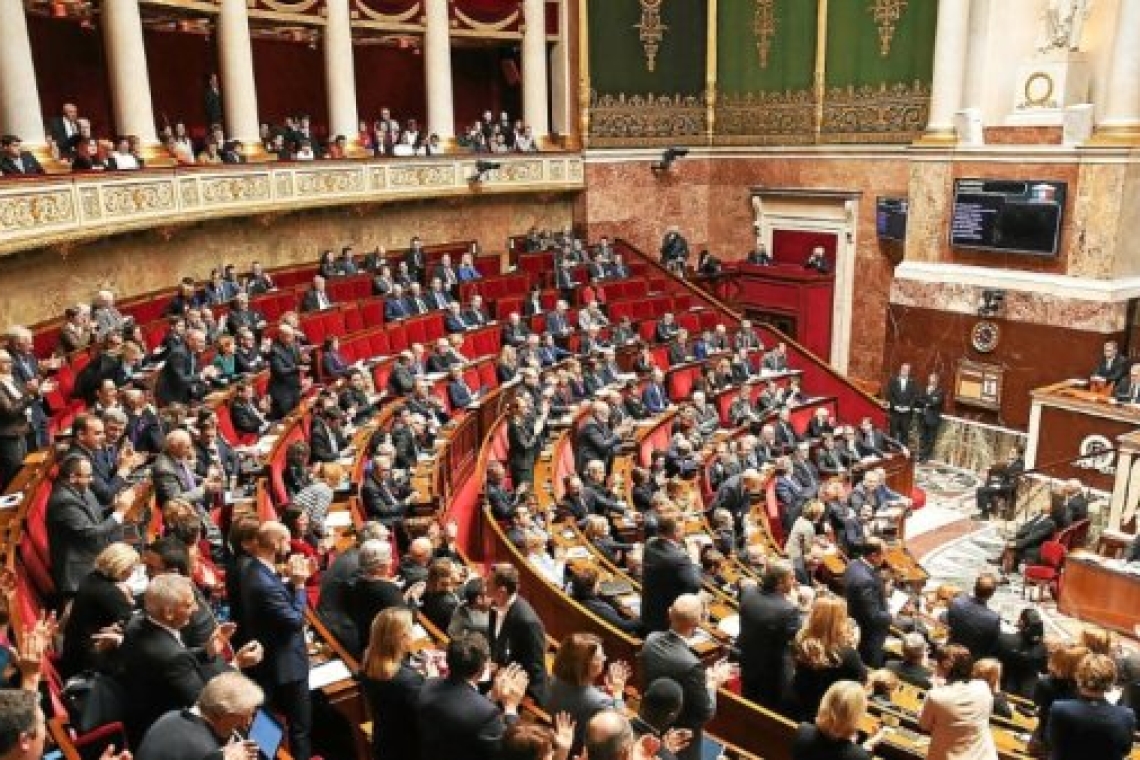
(70,68)
(290,81)
(487,11)
(179,65)
(392,78)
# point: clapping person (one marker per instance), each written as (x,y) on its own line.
(578,665)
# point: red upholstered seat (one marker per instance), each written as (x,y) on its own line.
(1047,574)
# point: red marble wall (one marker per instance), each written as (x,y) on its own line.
(710,199)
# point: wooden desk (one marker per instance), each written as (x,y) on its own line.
(1098,594)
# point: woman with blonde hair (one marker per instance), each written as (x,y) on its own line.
(833,734)
(824,652)
(103,599)
(989,670)
(391,685)
(1058,684)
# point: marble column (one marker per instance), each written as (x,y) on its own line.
(128,76)
(239,88)
(977,74)
(1120,122)
(20,110)
(437,69)
(340,74)
(951,44)
(536,102)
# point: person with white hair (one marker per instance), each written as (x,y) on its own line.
(286,365)
(104,316)
(223,713)
(162,672)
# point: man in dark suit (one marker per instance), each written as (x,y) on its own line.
(902,396)
(401,380)
(667,573)
(162,673)
(224,708)
(78,527)
(595,439)
(502,501)
(109,467)
(768,625)
(1112,367)
(525,433)
(212,102)
(870,441)
(654,395)
(182,380)
(1000,481)
(736,494)
(145,429)
(285,366)
(817,261)
(383,498)
(1127,390)
(459,393)
(514,331)
(64,129)
(326,439)
(455,720)
(911,668)
(273,612)
(14,160)
(929,406)
(416,260)
(1027,541)
(316,298)
(971,622)
(516,633)
(674,251)
(666,329)
(666,654)
(867,601)
(1073,504)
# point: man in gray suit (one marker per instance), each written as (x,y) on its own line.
(666,654)
(78,527)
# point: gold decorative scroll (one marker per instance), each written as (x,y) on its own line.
(398,18)
(764,24)
(886,14)
(646,120)
(765,118)
(650,30)
(895,113)
(480,26)
(304,6)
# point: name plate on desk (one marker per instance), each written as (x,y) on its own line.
(977,384)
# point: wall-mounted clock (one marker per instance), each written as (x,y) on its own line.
(984,336)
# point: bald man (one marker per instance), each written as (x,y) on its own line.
(666,654)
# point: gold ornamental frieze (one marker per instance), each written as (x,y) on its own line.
(875,113)
(35,210)
(629,121)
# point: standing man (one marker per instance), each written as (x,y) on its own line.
(1112,367)
(668,572)
(929,405)
(902,394)
(182,379)
(768,625)
(285,364)
(212,103)
(971,622)
(666,654)
(516,633)
(273,613)
(867,601)
(674,251)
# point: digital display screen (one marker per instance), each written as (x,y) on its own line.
(1022,216)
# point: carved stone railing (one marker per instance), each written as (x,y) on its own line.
(56,209)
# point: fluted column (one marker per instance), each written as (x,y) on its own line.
(340,73)
(128,76)
(437,70)
(536,101)
(239,87)
(1120,124)
(20,111)
(951,45)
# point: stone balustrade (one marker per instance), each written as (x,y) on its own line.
(59,209)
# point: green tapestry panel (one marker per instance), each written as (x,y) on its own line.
(880,58)
(647,72)
(765,45)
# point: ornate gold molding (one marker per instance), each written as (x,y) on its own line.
(59,210)
(765,118)
(886,14)
(884,113)
(648,120)
(650,30)
(765,24)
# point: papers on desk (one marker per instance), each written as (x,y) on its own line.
(897,601)
(730,626)
(341,518)
(327,674)
(698,638)
(419,633)
(577,552)
(11,501)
